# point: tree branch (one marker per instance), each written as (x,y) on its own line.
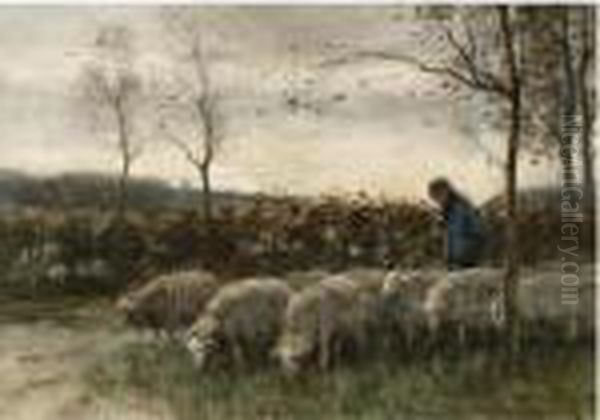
(464,78)
(478,75)
(187,151)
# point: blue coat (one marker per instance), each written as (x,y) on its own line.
(465,234)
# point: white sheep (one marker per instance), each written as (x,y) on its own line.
(170,302)
(324,319)
(240,323)
(560,301)
(431,302)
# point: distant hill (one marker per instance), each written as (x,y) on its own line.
(90,189)
(97,190)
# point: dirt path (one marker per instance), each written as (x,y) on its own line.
(42,363)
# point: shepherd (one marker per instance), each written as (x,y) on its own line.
(465,231)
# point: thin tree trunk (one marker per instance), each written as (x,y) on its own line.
(569,96)
(126,157)
(512,240)
(123,185)
(588,48)
(588,175)
(207,205)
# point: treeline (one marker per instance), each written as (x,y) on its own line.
(92,250)
(263,236)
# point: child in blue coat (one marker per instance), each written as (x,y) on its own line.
(465,231)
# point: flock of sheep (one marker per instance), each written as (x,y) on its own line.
(257,321)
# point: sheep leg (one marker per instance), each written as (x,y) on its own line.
(361,344)
(238,355)
(462,336)
(155,333)
(169,334)
(324,349)
(573,329)
(410,339)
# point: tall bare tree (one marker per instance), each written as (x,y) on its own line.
(513,96)
(191,116)
(577,41)
(559,88)
(112,94)
(479,54)
(586,80)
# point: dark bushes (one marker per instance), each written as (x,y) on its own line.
(260,236)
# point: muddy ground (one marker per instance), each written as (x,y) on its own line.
(45,353)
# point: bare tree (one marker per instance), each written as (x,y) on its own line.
(550,71)
(577,41)
(513,96)
(586,81)
(112,93)
(190,111)
(559,82)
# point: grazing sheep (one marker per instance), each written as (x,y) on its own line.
(369,283)
(553,301)
(475,302)
(470,296)
(427,303)
(169,302)
(404,294)
(468,303)
(241,322)
(323,320)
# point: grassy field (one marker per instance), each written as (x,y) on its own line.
(118,366)
(551,384)
(121,369)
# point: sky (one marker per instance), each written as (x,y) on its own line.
(383,128)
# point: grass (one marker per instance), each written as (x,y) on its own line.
(554,384)
(70,311)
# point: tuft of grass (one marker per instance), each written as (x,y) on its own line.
(476,386)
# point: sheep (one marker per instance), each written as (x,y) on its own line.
(469,303)
(551,300)
(170,302)
(369,283)
(404,294)
(475,302)
(432,303)
(240,323)
(323,320)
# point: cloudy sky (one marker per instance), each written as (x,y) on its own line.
(379,127)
